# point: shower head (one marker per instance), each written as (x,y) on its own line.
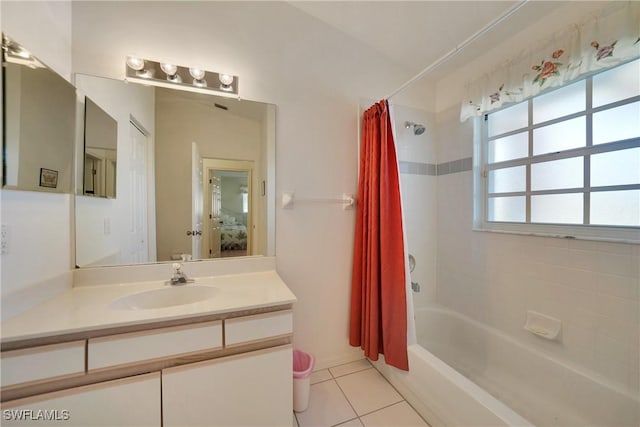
(418,129)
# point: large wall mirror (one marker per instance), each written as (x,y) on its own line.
(39,124)
(195,177)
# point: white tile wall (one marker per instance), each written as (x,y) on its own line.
(418,191)
(593,287)
(418,195)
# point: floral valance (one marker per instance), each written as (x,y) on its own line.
(603,41)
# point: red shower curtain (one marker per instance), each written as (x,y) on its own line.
(378,321)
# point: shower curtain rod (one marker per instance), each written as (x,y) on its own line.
(447,56)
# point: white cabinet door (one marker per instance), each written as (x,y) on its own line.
(133,401)
(250,389)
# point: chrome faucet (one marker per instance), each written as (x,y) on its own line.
(178,277)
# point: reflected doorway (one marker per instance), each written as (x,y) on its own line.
(228,232)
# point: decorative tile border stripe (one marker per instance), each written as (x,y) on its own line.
(415,168)
(454,166)
(430,169)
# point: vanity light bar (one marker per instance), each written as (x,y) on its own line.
(170,75)
(13,52)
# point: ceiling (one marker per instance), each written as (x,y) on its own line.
(414,34)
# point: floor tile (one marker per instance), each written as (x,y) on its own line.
(353,423)
(368,391)
(319,376)
(327,406)
(349,368)
(398,415)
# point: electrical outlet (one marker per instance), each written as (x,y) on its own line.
(5,239)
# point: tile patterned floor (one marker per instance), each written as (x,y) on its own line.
(355,395)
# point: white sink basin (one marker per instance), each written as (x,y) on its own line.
(165,297)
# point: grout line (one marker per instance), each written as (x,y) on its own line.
(323,381)
(348,401)
(417,413)
(346,421)
(358,416)
(347,363)
(384,407)
(350,373)
(403,398)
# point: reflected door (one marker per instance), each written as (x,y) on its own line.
(196,201)
(91,175)
(139,247)
(215,216)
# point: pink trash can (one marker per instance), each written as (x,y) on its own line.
(302,367)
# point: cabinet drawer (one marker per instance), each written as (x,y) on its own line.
(44,362)
(260,326)
(155,344)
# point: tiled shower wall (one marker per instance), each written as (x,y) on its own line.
(418,178)
(593,287)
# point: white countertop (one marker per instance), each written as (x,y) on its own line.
(89,308)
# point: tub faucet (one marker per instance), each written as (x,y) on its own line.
(178,277)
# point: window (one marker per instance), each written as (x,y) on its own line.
(566,161)
(245,202)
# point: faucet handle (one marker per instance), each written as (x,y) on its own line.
(178,276)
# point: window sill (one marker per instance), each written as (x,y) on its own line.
(570,234)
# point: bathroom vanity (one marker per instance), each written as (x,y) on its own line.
(213,352)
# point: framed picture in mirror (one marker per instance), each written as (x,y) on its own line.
(48,178)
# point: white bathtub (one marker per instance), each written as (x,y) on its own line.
(513,385)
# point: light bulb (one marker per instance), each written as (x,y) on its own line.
(135,63)
(196,73)
(169,69)
(200,82)
(22,53)
(226,79)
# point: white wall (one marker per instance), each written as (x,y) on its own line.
(42,27)
(593,287)
(451,88)
(97,244)
(314,75)
(39,259)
